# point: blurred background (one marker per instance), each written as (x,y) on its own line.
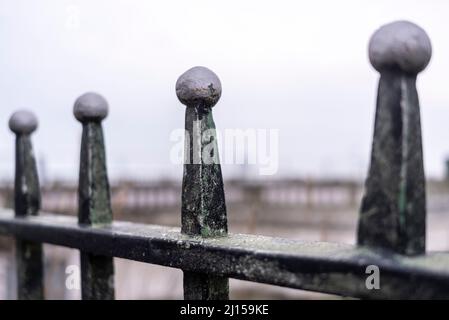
(294,67)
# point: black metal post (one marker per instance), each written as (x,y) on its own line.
(97,272)
(393,212)
(203,200)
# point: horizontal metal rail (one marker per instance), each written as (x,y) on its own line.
(317,266)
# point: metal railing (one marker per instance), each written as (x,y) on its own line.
(391,232)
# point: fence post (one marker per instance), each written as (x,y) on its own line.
(203,200)
(26,203)
(97,272)
(393,211)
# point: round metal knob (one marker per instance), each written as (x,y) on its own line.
(23,122)
(402,45)
(90,107)
(198,85)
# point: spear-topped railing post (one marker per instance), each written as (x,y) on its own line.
(27,201)
(393,212)
(97,272)
(203,201)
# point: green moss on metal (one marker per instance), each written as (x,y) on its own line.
(203,198)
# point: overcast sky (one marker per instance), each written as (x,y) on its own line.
(297,66)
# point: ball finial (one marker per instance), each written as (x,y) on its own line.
(90,107)
(400,44)
(198,85)
(23,122)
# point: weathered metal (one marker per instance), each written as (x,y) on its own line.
(391,233)
(29,257)
(309,265)
(393,211)
(97,271)
(203,199)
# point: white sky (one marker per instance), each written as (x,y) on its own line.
(297,66)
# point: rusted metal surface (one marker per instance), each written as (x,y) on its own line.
(316,266)
(97,272)
(29,257)
(393,212)
(203,199)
